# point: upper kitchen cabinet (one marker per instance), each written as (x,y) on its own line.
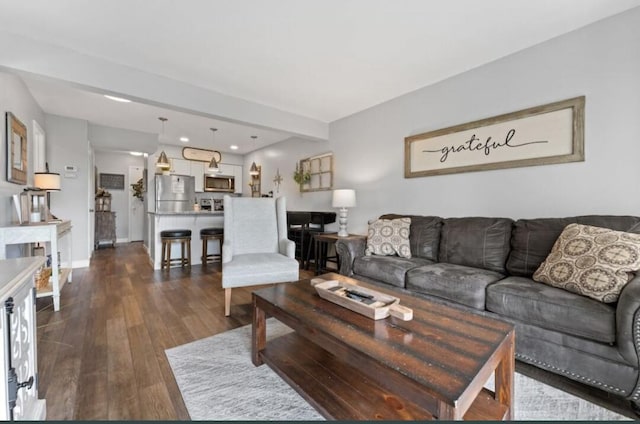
(197,171)
(238,175)
(180,166)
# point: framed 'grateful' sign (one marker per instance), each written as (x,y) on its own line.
(542,135)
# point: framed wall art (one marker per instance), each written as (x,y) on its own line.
(112,181)
(16,138)
(542,135)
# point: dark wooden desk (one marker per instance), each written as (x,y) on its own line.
(321,247)
(319,218)
(303,234)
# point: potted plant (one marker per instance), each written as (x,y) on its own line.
(300,176)
(137,190)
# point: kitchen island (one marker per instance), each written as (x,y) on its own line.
(189,220)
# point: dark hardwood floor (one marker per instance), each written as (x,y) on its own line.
(101,357)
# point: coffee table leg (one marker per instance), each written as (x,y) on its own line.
(258,334)
(504,377)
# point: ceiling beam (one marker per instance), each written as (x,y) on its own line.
(101,76)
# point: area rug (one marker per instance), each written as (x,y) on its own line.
(218,382)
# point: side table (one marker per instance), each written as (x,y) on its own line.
(321,247)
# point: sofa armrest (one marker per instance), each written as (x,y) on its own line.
(287,247)
(628,321)
(348,251)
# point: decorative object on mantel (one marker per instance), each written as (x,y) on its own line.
(163,161)
(16,150)
(137,189)
(542,135)
(213,163)
(343,199)
(315,173)
(253,171)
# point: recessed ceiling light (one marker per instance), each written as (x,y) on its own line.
(233,147)
(136,153)
(184,139)
(117,99)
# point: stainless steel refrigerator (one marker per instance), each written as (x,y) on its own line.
(175,193)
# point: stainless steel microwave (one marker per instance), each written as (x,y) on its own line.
(222,183)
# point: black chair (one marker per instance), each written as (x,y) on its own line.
(298,232)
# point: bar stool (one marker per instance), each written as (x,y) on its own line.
(171,236)
(207,234)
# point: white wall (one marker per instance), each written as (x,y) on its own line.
(15,98)
(119,163)
(283,157)
(67,144)
(601,61)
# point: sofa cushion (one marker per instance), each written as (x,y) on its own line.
(476,242)
(388,269)
(389,237)
(549,307)
(532,239)
(458,283)
(424,234)
(591,261)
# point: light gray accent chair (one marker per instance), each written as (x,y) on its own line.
(256,249)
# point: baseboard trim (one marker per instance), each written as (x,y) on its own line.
(84,263)
(122,240)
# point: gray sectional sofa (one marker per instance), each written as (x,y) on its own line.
(485,265)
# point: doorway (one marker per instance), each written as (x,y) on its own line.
(136,207)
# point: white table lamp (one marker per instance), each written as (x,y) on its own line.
(343,199)
(47,181)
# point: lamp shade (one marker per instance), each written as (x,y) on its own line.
(344,198)
(213,166)
(254,169)
(48,181)
(163,161)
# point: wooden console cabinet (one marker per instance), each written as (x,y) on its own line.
(18,353)
(105,228)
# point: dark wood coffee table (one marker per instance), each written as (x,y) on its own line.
(350,367)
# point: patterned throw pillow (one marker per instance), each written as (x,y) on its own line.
(591,261)
(389,237)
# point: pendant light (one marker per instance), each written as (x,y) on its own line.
(253,171)
(163,161)
(213,165)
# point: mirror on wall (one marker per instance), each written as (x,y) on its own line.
(16,150)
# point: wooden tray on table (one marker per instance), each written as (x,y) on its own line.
(367,302)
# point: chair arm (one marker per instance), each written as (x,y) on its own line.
(628,321)
(227,251)
(287,247)
(348,251)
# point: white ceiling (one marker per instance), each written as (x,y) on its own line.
(324,59)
